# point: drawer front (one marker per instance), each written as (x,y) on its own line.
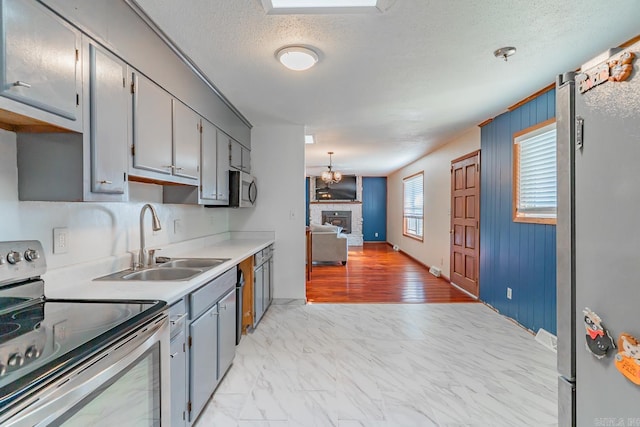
(177,317)
(210,293)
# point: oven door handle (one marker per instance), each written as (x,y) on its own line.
(62,394)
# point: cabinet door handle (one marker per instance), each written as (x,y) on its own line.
(177,168)
(22,84)
(174,354)
(168,166)
(214,313)
(224,307)
(105,182)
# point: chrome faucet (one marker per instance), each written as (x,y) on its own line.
(143,259)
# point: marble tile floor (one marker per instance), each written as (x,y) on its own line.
(386,365)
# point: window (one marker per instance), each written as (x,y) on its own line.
(535,174)
(413,206)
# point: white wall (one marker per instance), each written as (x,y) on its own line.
(96,230)
(435,249)
(277,161)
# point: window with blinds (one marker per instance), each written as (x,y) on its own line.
(413,187)
(535,174)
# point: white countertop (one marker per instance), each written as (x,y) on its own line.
(169,291)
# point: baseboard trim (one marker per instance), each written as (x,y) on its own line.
(442,276)
(289,301)
(465,291)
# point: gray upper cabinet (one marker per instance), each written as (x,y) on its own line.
(236,154)
(40,66)
(246,160)
(152,108)
(223,168)
(108,121)
(186,141)
(208,174)
(240,157)
(214,176)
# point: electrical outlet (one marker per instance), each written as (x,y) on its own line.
(60,240)
(177,226)
(292,214)
(441,260)
(376,234)
(509,293)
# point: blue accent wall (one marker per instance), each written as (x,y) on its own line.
(374,209)
(516,255)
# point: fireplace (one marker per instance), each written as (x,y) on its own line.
(339,218)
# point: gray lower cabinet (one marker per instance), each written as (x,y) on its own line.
(204,354)
(262,283)
(40,61)
(212,338)
(258,294)
(226,332)
(178,380)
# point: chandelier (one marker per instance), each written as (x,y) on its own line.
(329,176)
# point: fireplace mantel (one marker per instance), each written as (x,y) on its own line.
(337,202)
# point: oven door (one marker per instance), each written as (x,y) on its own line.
(126,383)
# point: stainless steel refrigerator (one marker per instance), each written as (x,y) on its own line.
(598,237)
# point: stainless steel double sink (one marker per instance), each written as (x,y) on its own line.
(176,269)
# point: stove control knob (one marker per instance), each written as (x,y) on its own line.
(31,255)
(14,257)
(2,261)
(3,369)
(15,360)
(32,352)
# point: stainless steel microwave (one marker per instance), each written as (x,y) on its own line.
(243,190)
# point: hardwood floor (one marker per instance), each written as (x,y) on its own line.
(376,273)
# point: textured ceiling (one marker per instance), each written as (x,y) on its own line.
(390,87)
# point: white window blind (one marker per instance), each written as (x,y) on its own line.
(537,173)
(413,205)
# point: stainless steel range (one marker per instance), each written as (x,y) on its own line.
(77,362)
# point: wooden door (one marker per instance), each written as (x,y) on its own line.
(465,222)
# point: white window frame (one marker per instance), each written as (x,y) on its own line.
(535,174)
(413,206)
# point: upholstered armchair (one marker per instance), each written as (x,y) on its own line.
(329,244)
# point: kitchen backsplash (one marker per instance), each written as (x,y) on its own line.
(96,230)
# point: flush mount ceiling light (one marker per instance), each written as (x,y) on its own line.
(504,52)
(297,58)
(286,7)
(330,176)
